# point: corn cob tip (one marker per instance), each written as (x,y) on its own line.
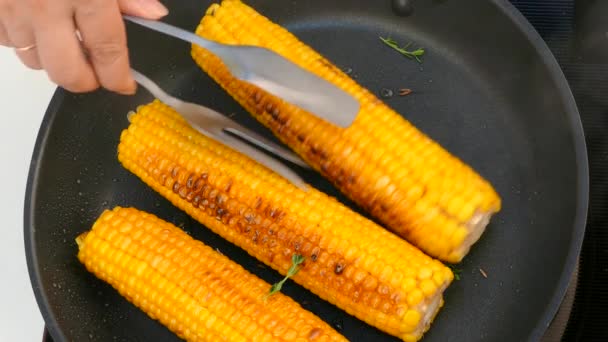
(130,115)
(211,9)
(431,309)
(476,227)
(423,314)
(80,239)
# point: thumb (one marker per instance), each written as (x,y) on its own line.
(149,9)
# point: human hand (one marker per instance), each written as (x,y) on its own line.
(43,34)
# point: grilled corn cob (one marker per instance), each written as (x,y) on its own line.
(350,261)
(382,162)
(195,291)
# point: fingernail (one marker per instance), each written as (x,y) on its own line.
(156,8)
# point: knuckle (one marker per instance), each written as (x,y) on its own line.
(107,53)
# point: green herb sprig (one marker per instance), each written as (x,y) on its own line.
(296,261)
(411,54)
(456,272)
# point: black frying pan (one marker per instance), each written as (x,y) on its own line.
(489,90)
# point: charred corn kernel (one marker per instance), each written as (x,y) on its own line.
(382,162)
(187,286)
(349,261)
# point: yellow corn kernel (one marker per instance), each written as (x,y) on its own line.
(415,297)
(428,287)
(412,317)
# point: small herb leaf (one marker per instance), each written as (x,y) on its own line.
(276,287)
(296,261)
(456,272)
(415,54)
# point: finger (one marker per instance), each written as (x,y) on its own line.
(29,57)
(150,9)
(60,51)
(20,36)
(6,10)
(104,38)
(4,36)
(27,53)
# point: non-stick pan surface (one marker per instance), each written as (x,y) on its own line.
(488,90)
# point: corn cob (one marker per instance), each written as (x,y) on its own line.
(350,261)
(382,162)
(196,292)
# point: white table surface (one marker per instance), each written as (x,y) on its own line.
(24,96)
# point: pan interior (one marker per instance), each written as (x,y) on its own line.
(482,91)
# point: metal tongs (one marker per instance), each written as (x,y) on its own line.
(274,74)
(217,126)
(270,72)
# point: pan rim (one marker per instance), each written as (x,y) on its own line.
(582,162)
(580,150)
(31,256)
